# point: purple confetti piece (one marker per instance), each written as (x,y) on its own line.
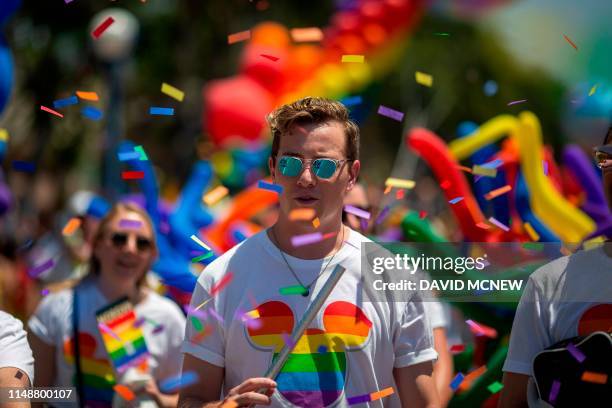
(288,340)
(193,312)
(390,113)
(499,224)
(382,215)
(554,391)
(252,323)
(577,354)
(357,212)
(44,292)
(456,381)
(37,270)
(158,329)
(130,224)
(545,166)
(363,224)
(517,102)
(359,399)
(305,239)
(139,322)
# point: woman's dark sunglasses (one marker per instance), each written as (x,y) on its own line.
(323,168)
(120,239)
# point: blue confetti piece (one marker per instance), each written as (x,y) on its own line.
(359,399)
(351,100)
(161,111)
(92,113)
(456,200)
(125,156)
(61,103)
(27,167)
(456,381)
(270,186)
(170,385)
(322,349)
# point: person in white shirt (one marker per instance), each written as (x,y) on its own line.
(353,346)
(16,361)
(571,296)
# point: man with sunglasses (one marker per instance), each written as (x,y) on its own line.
(353,347)
(568,297)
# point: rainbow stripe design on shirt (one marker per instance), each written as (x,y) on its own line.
(124,343)
(315,373)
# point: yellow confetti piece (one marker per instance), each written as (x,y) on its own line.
(353,58)
(173,92)
(4,135)
(306,34)
(254,314)
(71,226)
(215,195)
(484,171)
(399,183)
(531,232)
(423,79)
(238,37)
(88,96)
(200,243)
(302,214)
(316,222)
(593,89)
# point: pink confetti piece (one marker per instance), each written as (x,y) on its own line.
(100,29)
(305,239)
(219,286)
(357,212)
(499,224)
(480,329)
(56,113)
(390,113)
(108,330)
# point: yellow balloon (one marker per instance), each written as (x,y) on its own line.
(489,132)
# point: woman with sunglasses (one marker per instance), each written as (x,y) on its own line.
(64,333)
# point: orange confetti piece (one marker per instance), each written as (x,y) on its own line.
(238,37)
(466,169)
(71,226)
(381,394)
(388,190)
(570,42)
(497,192)
(469,379)
(316,222)
(124,392)
(593,377)
(88,96)
(307,34)
(214,195)
(302,214)
(483,225)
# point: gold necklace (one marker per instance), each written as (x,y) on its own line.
(307,287)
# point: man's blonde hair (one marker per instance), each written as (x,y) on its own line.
(313,110)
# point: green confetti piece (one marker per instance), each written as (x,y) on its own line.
(495,387)
(293,290)
(196,324)
(202,257)
(143,155)
(534,246)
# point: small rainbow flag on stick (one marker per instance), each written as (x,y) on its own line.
(124,341)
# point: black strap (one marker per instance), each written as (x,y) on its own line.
(77,351)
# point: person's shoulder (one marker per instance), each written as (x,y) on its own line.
(57,300)
(163,306)
(9,323)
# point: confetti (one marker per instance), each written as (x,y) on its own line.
(442,34)
(37,270)
(497,192)
(61,103)
(499,224)
(381,394)
(44,292)
(130,224)
(125,156)
(554,391)
(199,242)
(254,314)
(495,387)
(457,348)
(570,42)
(469,379)
(381,216)
(193,311)
(140,150)
(593,89)
(322,349)
(214,195)
(399,183)
(353,58)
(359,399)
(305,239)
(351,100)
(316,222)
(108,330)
(390,113)
(597,378)
(170,385)
(71,226)
(357,212)
(517,102)
(484,171)
(270,57)
(88,96)
(26,167)
(423,79)
(302,214)
(196,324)
(577,354)
(422,214)
(456,382)
(307,34)
(399,194)
(92,113)
(216,315)
(154,110)
(99,30)
(455,200)
(124,392)
(44,108)
(238,37)
(463,168)
(480,329)
(4,136)
(132,175)
(219,286)
(172,92)
(293,290)
(202,257)
(531,232)
(269,186)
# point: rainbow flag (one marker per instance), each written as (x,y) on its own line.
(311,378)
(124,342)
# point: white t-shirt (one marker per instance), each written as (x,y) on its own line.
(570,296)
(52,323)
(364,340)
(14,348)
